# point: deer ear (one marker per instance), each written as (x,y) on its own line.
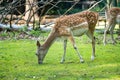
(38,44)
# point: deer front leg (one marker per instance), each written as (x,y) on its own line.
(93,49)
(65,45)
(75,47)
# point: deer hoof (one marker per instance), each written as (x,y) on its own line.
(114,42)
(82,61)
(92,58)
(104,42)
(62,61)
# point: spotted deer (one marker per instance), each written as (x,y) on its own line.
(113,18)
(66,27)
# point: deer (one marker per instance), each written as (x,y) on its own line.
(113,19)
(67,27)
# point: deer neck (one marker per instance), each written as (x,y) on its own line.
(49,41)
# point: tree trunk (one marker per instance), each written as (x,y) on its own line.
(31,8)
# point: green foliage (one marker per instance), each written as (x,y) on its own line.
(18,61)
(35,33)
(62,11)
(22,34)
(96,9)
(3,34)
(38,33)
(24,28)
(72,11)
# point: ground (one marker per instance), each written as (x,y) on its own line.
(19,62)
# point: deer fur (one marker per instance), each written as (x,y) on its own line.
(66,27)
(113,19)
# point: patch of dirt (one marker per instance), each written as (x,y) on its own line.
(12,35)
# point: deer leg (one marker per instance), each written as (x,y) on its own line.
(65,45)
(119,25)
(90,35)
(111,33)
(119,30)
(104,39)
(75,47)
(105,33)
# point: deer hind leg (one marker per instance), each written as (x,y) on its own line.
(76,49)
(90,35)
(111,33)
(105,33)
(119,30)
(65,45)
(111,24)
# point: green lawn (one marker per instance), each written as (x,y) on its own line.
(19,62)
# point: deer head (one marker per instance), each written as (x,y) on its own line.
(41,52)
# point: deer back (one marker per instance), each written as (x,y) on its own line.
(91,17)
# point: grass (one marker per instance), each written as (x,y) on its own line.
(18,61)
